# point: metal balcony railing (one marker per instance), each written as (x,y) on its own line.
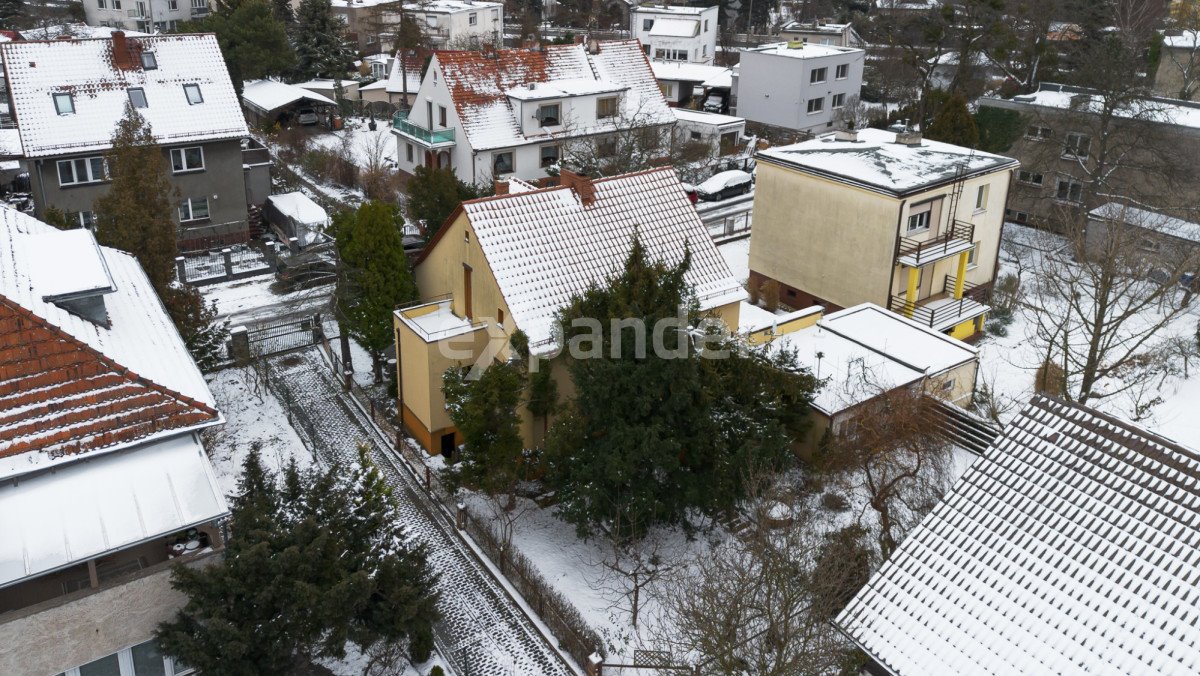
(943,310)
(950,241)
(432,137)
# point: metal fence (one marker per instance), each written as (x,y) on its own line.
(235,262)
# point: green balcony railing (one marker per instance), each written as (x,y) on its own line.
(400,123)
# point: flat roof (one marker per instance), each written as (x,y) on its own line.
(552,89)
(805,50)
(706,118)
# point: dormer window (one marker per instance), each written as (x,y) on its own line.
(606,108)
(64,104)
(149,61)
(547,115)
(137,96)
(194,97)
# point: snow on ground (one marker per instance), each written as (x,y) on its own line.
(737,256)
(248,301)
(366,147)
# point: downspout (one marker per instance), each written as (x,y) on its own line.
(41,187)
(895,254)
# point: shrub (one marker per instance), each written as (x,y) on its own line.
(834,502)
(1049,379)
(436,671)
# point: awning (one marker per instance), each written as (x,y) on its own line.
(95,505)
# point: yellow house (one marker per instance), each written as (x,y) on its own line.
(512,261)
(881,217)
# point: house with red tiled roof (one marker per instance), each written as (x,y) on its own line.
(104,482)
(497,114)
(510,262)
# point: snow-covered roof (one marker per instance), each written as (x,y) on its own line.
(75,385)
(303,211)
(479,83)
(98,74)
(75,30)
(393,84)
(546,246)
(900,338)
(876,161)
(681,71)
(675,28)
(806,50)
(809,27)
(1069,98)
(680,10)
(702,117)
(1150,220)
(448,6)
(554,89)
(265,96)
(1185,40)
(52,520)
(1070,547)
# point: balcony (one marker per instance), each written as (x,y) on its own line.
(915,253)
(431,138)
(943,311)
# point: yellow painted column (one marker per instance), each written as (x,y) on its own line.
(961,278)
(910,293)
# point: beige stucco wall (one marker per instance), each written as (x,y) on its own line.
(825,238)
(961,381)
(92,625)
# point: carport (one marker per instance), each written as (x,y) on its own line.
(267,102)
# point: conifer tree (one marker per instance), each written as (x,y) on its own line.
(321,49)
(313,563)
(954,124)
(11,12)
(282,9)
(434,194)
(485,411)
(373,278)
(253,39)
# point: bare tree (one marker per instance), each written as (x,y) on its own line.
(633,565)
(1181,52)
(635,141)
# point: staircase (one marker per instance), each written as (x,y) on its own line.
(963,428)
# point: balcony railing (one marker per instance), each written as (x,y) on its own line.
(958,238)
(943,311)
(432,137)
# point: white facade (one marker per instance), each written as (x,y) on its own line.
(676,33)
(797,86)
(723,132)
(456,23)
(144,15)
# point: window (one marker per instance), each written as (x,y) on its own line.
(839,100)
(919,222)
(1077,146)
(706,25)
(842,72)
(695,136)
(1038,133)
(187,159)
(549,156)
(817,75)
(100,4)
(704,51)
(473,19)
(646,49)
(116,4)
(64,104)
(199,4)
(1030,177)
(442,115)
(193,209)
(973,256)
(606,146)
(816,105)
(1069,190)
(606,108)
(647,24)
(666,88)
(137,96)
(141,8)
(408,151)
(173,5)
(502,163)
(499,315)
(547,116)
(149,61)
(981,198)
(671,54)
(144,659)
(193,94)
(82,170)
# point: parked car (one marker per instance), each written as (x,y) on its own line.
(716,102)
(725,185)
(307,116)
(315,266)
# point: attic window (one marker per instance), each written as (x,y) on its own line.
(193,94)
(137,96)
(149,61)
(64,104)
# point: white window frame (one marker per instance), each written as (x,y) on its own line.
(116,4)
(199,4)
(541,118)
(839,101)
(981,198)
(190,203)
(59,98)
(1030,177)
(89,169)
(125,663)
(616,102)
(149,61)
(172,5)
(101,4)
(973,256)
(842,71)
(818,75)
(820,108)
(182,154)
(473,19)
(924,220)
(187,92)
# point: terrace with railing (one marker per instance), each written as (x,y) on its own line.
(959,237)
(434,137)
(943,311)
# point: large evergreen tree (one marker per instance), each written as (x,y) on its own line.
(954,124)
(253,39)
(486,412)
(313,563)
(650,437)
(10,13)
(320,40)
(434,194)
(374,277)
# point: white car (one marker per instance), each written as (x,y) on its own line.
(307,116)
(724,185)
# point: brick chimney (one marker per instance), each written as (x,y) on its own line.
(582,185)
(910,138)
(580,38)
(121,58)
(501,187)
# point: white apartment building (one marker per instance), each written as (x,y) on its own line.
(676,33)
(796,85)
(449,24)
(146,16)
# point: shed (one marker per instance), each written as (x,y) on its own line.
(293,214)
(271,101)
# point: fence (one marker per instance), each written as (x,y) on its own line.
(575,637)
(236,262)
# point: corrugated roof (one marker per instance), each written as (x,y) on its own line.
(99,80)
(1071,547)
(545,246)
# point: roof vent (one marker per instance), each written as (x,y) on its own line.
(850,135)
(69,270)
(909,138)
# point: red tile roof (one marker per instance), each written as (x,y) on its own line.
(60,396)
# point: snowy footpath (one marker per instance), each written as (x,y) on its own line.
(483,631)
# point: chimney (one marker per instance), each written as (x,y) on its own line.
(593,46)
(120,51)
(582,185)
(501,187)
(580,39)
(850,135)
(910,138)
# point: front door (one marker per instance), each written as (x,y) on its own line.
(448,446)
